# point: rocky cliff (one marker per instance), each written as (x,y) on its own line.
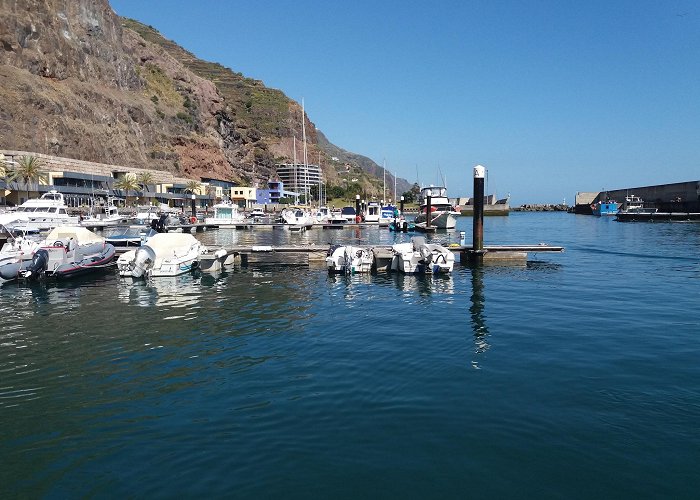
(78,81)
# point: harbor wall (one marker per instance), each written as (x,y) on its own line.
(675,197)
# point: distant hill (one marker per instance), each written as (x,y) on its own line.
(79,81)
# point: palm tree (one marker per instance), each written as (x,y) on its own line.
(145,179)
(193,186)
(127,183)
(29,169)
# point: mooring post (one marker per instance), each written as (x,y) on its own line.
(477,252)
(428,211)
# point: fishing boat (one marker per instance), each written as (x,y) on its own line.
(104,215)
(603,208)
(349,259)
(225,214)
(66,252)
(634,210)
(44,213)
(441,214)
(164,254)
(420,257)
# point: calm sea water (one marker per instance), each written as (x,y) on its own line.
(574,376)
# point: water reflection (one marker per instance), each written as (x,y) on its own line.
(481,331)
(171,292)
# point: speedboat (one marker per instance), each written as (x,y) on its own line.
(419,257)
(164,254)
(441,214)
(43,213)
(225,214)
(349,259)
(67,251)
(296,218)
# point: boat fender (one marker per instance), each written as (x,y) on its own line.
(193,220)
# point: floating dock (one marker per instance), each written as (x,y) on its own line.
(316,254)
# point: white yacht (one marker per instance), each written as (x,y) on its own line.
(442,214)
(44,213)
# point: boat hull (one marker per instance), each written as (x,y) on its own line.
(439,220)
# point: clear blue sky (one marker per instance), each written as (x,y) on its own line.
(551,96)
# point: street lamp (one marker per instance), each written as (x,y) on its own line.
(194,209)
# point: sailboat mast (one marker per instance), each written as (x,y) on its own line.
(306,161)
(384,192)
(296,187)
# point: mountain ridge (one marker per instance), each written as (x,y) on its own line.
(77,80)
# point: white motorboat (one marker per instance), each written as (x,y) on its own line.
(296,218)
(442,214)
(327,217)
(225,214)
(349,259)
(17,249)
(43,213)
(67,251)
(419,257)
(104,215)
(164,254)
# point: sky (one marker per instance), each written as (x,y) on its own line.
(551,96)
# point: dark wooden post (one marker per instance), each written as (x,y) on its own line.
(478,219)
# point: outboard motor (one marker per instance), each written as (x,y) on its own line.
(37,266)
(143,261)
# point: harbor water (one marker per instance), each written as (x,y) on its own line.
(576,375)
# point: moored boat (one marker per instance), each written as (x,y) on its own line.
(634,210)
(67,251)
(420,257)
(347,259)
(44,213)
(164,254)
(225,214)
(603,208)
(440,214)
